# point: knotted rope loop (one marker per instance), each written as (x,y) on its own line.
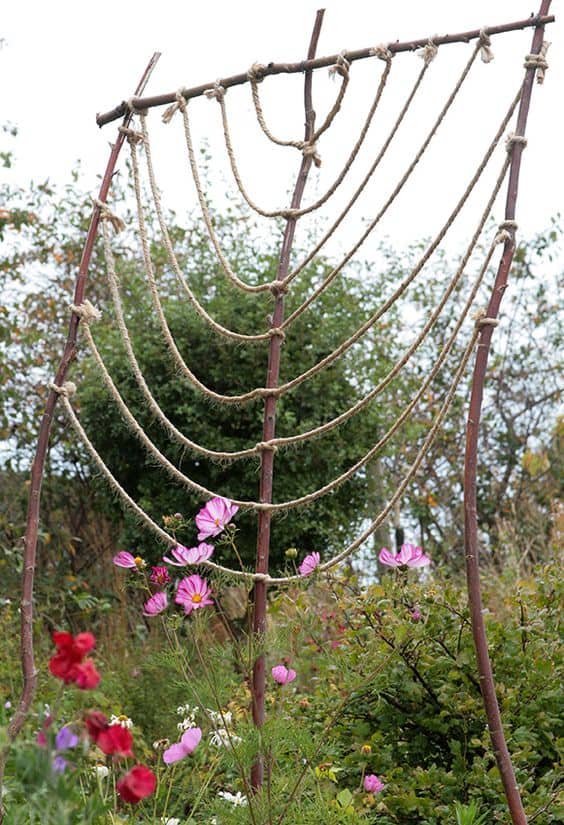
(502,236)
(484,321)
(131,135)
(486,53)
(428,52)
(382,52)
(217,93)
(538,61)
(256,73)
(512,226)
(106,214)
(512,138)
(179,106)
(86,311)
(67,390)
(341,67)
(309,150)
(266,445)
(277,332)
(278,288)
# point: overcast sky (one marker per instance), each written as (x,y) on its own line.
(63,62)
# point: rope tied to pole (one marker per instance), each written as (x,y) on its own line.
(217,93)
(382,52)
(481,320)
(106,214)
(341,67)
(538,61)
(131,135)
(87,312)
(310,151)
(256,73)
(513,138)
(486,53)
(67,390)
(428,52)
(178,106)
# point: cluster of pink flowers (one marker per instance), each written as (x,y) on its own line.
(192,592)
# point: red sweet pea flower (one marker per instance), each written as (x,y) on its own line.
(116,740)
(71,650)
(96,722)
(85,675)
(137,783)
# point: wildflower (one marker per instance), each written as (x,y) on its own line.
(159,575)
(372,784)
(7,705)
(156,604)
(65,740)
(214,517)
(416,614)
(122,720)
(223,738)
(408,556)
(161,744)
(115,740)
(125,559)
(137,784)
(366,749)
(101,771)
(283,675)
(222,717)
(170,820)
(188,743)
(68,662)
(193,592)
(291,553)
(96,722)
(235,798)
(309,564)
(189,555)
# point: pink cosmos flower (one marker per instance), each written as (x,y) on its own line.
(309,564)
(193,592)
(124,559)
(416,614)
(408,556)
(214,517)
(283,675)
(156,604)
(372,784)
(189,555)
(188,743)
(159,575)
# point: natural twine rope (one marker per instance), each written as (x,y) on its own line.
(486,53)
(538,61)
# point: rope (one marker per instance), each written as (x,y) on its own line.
(87,312)
(428,52)
(333,274)
(486,53)
(67,390)
(538,61)
(219,328)
(308,149)
(106,214)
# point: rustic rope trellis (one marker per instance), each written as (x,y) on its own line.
(139,139)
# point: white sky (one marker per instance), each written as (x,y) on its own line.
(63,62)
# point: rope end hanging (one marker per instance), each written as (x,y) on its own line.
(217,93)
(341,67)
(428,52)
(179,105)
(132,136)
(310,151)
(538,61)
(486,53)
(382,52)
(67,390)
(106,214)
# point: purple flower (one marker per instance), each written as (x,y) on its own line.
(188,743)
(416,614)
(159,575)
(125,559)
(59,764)
(309,564)
(372,784)
(156,604)
(193,592)
(214,517)
(66,739)
(283,675)
(189,555)
(408,556)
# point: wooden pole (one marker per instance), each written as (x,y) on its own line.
(318,63)
(499,744)
(38,466)
(269,420)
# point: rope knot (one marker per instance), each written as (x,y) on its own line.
(67,390)
(178,106)
(131,135)
(256,73)
(341,67)
(217,93)
(428,52)
(513,138)
(277,332)
(309,150)
(538,61)
(266,445)
(382,52)
(86,311)
(106,214)
(512,226)
(278,288)
(486,53)
(502,236)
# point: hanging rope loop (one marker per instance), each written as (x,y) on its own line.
(486,53)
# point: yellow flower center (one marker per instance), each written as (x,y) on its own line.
(139,562)
(216,522)
(196,598)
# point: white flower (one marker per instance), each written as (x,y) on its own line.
(222,738)
(223,717)
(186,723)
(7,704)
(122,720)
(170,820)
(101,771)
(235,798)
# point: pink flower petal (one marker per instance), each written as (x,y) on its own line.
(174,754)
(156,604)
(308,565)
(282,674)
(191,739)
(421,561)
(406,553)
(124,559)
(387,558)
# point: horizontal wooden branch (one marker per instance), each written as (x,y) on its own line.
(139,103)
